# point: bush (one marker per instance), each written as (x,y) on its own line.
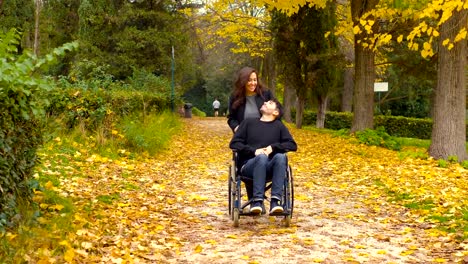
(149,133)
(396,126)
(22,99)
(377,137)
(198,112)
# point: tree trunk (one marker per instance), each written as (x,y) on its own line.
(363,98)
(299,111)
(322,108)
(364,75)
(347,96)
(36,26)
(269,72)
(289,100)
(449,126)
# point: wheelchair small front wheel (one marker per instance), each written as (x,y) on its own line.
(287,221)
(235,217)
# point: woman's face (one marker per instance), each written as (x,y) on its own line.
(251,83)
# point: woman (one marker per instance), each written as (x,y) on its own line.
(247,98)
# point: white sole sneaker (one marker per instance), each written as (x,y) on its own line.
(277,209)
(256,209)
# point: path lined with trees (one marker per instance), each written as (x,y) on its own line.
(97,71)
(353,203)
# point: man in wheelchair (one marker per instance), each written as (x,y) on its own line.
(261,145)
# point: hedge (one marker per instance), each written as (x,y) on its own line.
(397,126)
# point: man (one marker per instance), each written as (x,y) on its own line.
(216,105)
(261,144)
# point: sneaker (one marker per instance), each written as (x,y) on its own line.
(256,207)
(275,207)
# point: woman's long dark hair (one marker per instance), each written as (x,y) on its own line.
(239,86)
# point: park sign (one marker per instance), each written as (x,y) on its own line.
(381,87)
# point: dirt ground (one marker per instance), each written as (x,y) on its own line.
(330,224)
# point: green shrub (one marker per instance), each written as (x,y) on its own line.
(377,137)
(149,133)
(198,112)
(22,100)
(464,164)
(442,163)
(396,126)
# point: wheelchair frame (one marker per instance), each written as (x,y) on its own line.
(236,206)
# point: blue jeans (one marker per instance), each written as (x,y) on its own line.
(260,169)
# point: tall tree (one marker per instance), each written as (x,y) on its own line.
(364,68)
(449,129)
(308,55)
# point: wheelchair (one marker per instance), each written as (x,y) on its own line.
(238,202)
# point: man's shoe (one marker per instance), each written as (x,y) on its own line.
(256,207)
(275,207)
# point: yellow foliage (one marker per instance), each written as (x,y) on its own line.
(461,35)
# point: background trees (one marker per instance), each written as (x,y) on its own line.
(297,46)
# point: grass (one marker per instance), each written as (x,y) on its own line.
(149,134)
(47,222)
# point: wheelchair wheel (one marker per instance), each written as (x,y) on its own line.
(287,221)
(231,188)
(235,217)
(289,198)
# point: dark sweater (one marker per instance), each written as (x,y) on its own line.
(254,134)
(236,116)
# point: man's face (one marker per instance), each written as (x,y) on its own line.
(269,108)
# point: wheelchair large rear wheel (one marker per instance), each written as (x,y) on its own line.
(231,188)
(289,193)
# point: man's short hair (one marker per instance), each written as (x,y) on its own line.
(279,107)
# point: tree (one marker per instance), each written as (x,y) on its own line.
(308,56)
(449,127)
(227,35)
(124,35)
(364,68)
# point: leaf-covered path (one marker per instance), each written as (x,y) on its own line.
(173,208)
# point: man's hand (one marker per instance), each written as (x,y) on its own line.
(260,151)
(267,151)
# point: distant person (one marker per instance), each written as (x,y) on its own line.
(216,105)
(247,98)
(261,144)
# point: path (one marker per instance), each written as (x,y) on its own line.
(173,208)
(331,223)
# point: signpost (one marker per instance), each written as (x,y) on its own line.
(172,82)
(380,87)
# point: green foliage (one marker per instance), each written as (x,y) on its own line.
(442,163)
(405,126)
(22,101)
(198,112)
(377,137)
(143,80)
(97,101)
(397,126)
(414,154)
(139,35)
(151,133)
(464,164)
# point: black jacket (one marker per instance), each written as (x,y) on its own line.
(235,116)
(254,134)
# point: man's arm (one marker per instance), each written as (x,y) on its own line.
(239,141)
(286,143)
